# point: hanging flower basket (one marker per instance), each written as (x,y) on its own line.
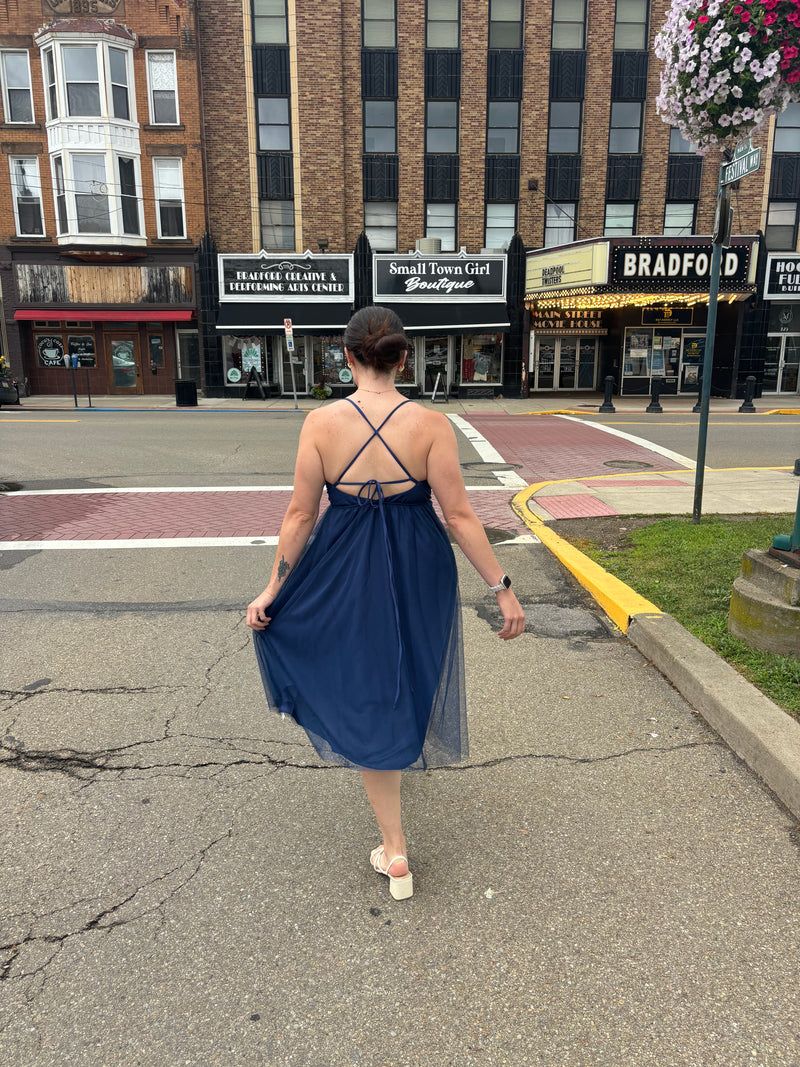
(727,66)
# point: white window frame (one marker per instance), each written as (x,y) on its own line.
(158,198)
(117,234)
(491,232)
(671,227)
(441,220)
(6,102)
(375,230)
(558,217)
(619,222)
(37,188)
(101,45)
(150,100)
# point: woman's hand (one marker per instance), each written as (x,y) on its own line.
(513,615)
(257,617)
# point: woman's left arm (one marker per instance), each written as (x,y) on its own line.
(298,522)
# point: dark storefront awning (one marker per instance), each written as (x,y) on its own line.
(81,314)
(453,317)
(268,317)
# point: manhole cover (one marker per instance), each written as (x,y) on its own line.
(627,464)
(478,468)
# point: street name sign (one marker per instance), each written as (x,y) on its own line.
(746,160)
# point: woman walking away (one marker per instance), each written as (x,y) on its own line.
(358,633)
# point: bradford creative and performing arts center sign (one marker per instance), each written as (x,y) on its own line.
(306,277)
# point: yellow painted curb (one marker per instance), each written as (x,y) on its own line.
(617,599)
(781,411)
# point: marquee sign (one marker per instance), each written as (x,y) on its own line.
(568,268)
(308,277)
(453,277)
(677,268)
(782,281)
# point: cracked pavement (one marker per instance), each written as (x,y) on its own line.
(603,883)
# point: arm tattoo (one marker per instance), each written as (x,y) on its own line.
(283,569)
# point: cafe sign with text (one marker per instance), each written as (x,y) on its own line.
(305,278)
(431,278)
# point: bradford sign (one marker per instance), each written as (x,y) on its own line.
(309,277)
(783,277)
(677,266)
(456,277)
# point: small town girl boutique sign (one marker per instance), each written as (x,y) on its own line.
(308,277)
(455,277)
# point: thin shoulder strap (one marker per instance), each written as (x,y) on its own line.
(376,432)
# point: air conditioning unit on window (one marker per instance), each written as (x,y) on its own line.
(428,245)
(493,251)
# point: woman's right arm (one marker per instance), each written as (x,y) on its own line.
(446,481)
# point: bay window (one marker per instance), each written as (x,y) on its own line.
(97,194)
(87,78)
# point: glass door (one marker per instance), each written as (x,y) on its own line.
(567,361)
(189,355)
(123,363)
(545,363)
(781,364)
(437,362)
(297,363)
(694,350)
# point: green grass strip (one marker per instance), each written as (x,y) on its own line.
(688,570)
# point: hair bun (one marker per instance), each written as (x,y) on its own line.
(376,338)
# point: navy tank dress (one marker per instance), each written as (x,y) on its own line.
(365,646)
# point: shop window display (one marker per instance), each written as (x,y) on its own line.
(243,354)
(482,359)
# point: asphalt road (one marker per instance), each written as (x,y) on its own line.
(601,884)
(733,440)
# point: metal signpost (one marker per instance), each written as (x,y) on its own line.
(746,160)
(287,326)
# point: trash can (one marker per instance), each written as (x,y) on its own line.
(185,393)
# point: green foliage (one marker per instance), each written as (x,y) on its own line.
(688,570)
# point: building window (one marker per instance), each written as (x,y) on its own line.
(168,175)
(679,219)
(440,221)
(678,145)
(620,220)
(129,201)
(380,126)
(60,195)
(162,88)
(17,98)
(274,131)
(564,131)
(26,189)
(51,84)
(505,23)
(118,71)
(91,193)
(787,130)
(269,22)
(502,133)
(781,231)
(501,222)
(559,225)
(441,126)
(569,20)
(626,125)
(277,225)
(380,223)
(441,26)
(630,27)
(378,24)
(82,80)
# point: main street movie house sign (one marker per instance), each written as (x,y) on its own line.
(308,277)
(454,277)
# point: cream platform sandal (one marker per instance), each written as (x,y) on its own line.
(400,888)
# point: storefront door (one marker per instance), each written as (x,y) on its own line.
(781,364)
(299,364)
(565,363)
(123,363)
(437,359)
(189,355)
(692,355)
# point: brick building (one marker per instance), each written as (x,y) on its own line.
(102,204)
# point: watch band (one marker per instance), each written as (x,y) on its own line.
(505,583)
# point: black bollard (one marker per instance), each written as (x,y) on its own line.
(749,393)
(607,406)
(654,407)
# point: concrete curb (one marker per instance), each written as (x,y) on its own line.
(758,731)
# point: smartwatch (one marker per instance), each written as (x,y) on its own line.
(505,583)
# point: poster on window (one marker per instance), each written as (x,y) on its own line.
(50,352)
(251,357)
(82,346)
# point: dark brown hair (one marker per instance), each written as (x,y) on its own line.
(376,337)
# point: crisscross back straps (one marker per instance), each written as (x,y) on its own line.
(376,432)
